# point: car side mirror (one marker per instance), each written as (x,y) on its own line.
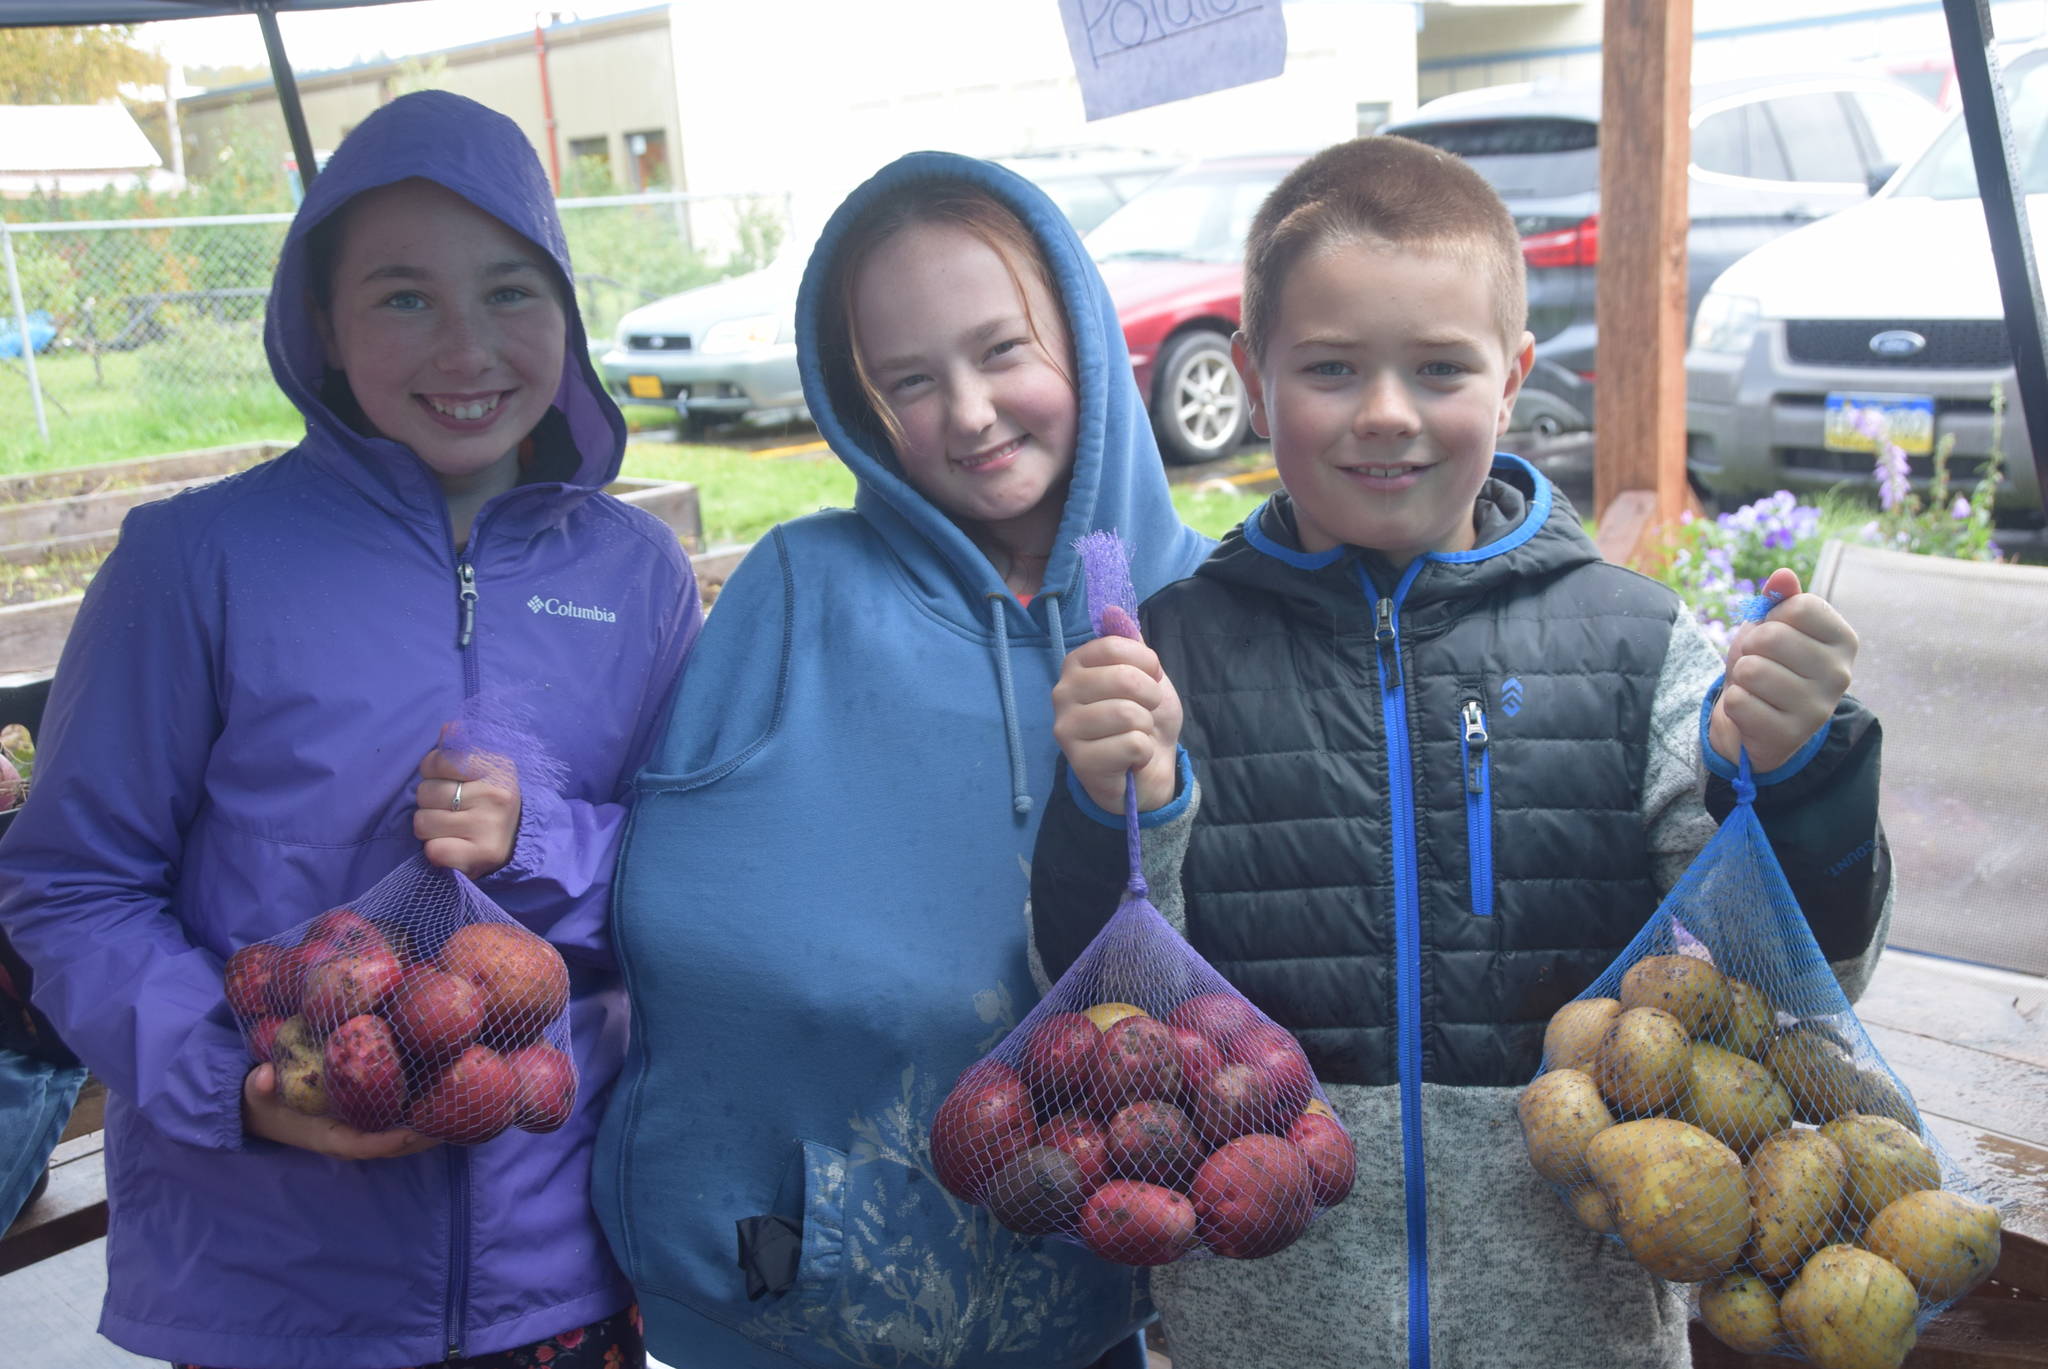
(1879,174)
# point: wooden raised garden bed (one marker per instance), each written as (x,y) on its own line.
(57,526)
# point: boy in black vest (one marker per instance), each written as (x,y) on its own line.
(1411,606)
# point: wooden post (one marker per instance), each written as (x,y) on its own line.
(1639,306)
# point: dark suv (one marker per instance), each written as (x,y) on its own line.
(1768,154)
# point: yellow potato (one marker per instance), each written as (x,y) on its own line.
(1796,1179)
(1945,1243)
(1572,1040)
(1644,1060)
(1850,1309)
(1886,1162)
(1751,1020)
(1560,1112)
(1685,986)
(1592,1209)
(1877,1095)
(1733,1099)
(1816,1070)
(301,1067)
(1742,1311)
(1679,1199)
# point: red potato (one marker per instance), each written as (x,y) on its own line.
(365,1074)
(263,1036)
(547,1086)
(435,1014)
(1235,1101)
(1155,1142)
(1135,1060)
(1277,1055)
(524,983)
(1039,1192)
(1222,1017)
(1082,1137)
(1332,1159)
(1198,1058)
(1134,1223)
(255,978)
(985,1122)
(1253,1196)
(347,984)
(1058,1059)
(472,1100)
(342,929)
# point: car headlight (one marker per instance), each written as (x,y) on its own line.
(1725,323)
(740,334)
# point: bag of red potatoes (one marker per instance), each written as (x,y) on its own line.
(1713,1103)
(420,1004)
(1144,1109)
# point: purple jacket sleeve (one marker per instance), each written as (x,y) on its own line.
(87,868)
(559,879)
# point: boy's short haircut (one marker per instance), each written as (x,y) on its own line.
(1392,190)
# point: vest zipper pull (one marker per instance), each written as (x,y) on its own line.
(465,576)
(1390,650)
(1475,744)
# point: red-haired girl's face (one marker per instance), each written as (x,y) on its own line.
(449,329)
(986,414)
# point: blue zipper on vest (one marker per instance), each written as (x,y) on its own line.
(1478,805)
(1407,948)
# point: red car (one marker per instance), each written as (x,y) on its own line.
(1173,258)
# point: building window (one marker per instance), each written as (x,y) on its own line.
(1373,116)
(590,165)
(647,157)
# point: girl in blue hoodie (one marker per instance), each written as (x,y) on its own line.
(820,906)
(234,742)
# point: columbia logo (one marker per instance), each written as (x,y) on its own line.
(563,608)
(1511,697)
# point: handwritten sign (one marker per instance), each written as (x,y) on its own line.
(1131,54)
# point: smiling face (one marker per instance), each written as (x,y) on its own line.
(1383,385)
(983,413)
(449,328)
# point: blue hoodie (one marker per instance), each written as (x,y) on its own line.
(231,747)
(820,905)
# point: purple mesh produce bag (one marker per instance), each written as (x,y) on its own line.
(1144,1109)
(1712,1102)
(420,1003)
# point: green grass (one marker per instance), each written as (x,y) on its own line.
(1215,508)
(144,403)
(743,496)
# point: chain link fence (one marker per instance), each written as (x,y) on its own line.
(146,335)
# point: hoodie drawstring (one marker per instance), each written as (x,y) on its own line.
(1013,735)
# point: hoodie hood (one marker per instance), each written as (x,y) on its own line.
(1117,481)
(484,157)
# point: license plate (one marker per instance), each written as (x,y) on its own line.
(1854,419)
(644,387)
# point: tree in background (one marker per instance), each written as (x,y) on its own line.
(72,66)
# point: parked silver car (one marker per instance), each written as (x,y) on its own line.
(726,350)
(1886,313)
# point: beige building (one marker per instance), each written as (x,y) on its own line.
(609,81)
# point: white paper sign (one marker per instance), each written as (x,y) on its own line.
(1134,53)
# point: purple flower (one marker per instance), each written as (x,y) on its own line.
(1893,475)
(1960,509)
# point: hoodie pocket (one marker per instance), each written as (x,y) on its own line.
(823,1202)
(1476,757)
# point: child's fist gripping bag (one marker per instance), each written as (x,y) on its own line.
(420,1005)
(1144,1108)
(1712,1102)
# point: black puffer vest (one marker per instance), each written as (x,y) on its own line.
(1440,771)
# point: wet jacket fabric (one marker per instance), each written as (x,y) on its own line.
(820,902)
(231,747)
(1433,808)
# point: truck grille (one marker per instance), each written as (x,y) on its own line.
(1952,344)
(657,342)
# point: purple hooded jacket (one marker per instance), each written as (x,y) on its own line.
(231,747)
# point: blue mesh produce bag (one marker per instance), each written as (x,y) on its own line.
(1144,1109)
(1712,1103)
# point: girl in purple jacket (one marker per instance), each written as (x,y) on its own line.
(234,743)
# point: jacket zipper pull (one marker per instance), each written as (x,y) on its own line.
(1475,744)
(465,575)
(1390,651)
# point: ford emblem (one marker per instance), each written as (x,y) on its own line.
(1898,342)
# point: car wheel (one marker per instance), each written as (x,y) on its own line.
(1199,407)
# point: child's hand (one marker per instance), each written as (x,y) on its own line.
(468,810)
(267,1115)
(1115,711)
(1785,676)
